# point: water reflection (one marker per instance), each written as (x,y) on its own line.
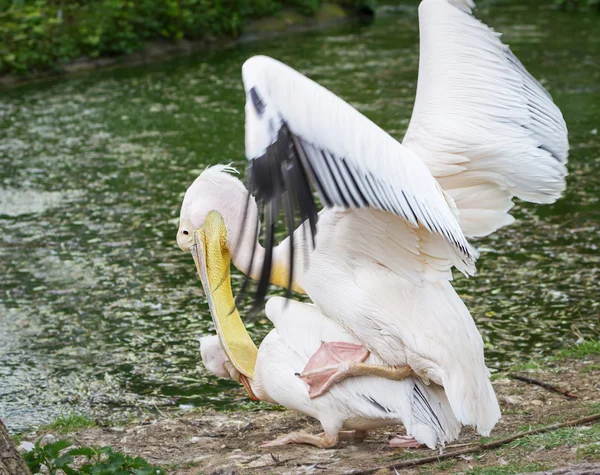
(99,309)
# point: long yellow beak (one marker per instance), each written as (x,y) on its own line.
(213,262)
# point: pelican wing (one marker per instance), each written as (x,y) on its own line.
(484,126)
(298,133)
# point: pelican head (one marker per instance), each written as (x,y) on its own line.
(215,190)
(214,357)
(217,361)
(210,225)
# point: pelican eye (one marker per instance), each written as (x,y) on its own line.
(186,232)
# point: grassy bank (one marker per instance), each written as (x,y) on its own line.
(43,35)
(212,442)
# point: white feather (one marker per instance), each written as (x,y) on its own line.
(388,174)
(484,126)
(465,5)
(388,285)
(357,403)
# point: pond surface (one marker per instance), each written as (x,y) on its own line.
(101,312)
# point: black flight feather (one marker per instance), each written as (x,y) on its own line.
(280,176)
(255,233)
(289,204)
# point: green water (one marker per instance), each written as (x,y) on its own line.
(99,310)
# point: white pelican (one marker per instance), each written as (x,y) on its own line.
(271,372)
(396,215)
(357,404)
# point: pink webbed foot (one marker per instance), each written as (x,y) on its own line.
(330,365)
(405,441)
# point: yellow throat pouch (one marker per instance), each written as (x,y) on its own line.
(213,264)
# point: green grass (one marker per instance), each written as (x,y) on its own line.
(408,455)
(496,376)
(570,436)
(594,408)
(586,439)
(69,422)
(589,452)
(510,469)
(587,348)
(578,351)
(552,419)
(528,366)
(174,467)
(437,467)
(252,406)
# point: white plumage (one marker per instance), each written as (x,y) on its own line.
(483,125)
(360,403)
(388,283)
(482,131)
(353,162)
(464,5)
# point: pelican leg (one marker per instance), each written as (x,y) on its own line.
(324,441)
(321,380)
(405,441)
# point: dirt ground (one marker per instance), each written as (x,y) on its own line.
(228,443)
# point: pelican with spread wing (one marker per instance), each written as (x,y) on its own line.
(378,258)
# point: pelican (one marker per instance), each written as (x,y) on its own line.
(378,258)
(270,373)
(357,404)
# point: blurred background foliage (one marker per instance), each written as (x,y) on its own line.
(38,35)
(577,3)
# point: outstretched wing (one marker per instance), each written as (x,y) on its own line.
(298,133)
(487,130)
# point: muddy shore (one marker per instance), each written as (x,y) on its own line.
(209,442)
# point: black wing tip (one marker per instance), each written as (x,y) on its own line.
(257,101)
(279,177)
